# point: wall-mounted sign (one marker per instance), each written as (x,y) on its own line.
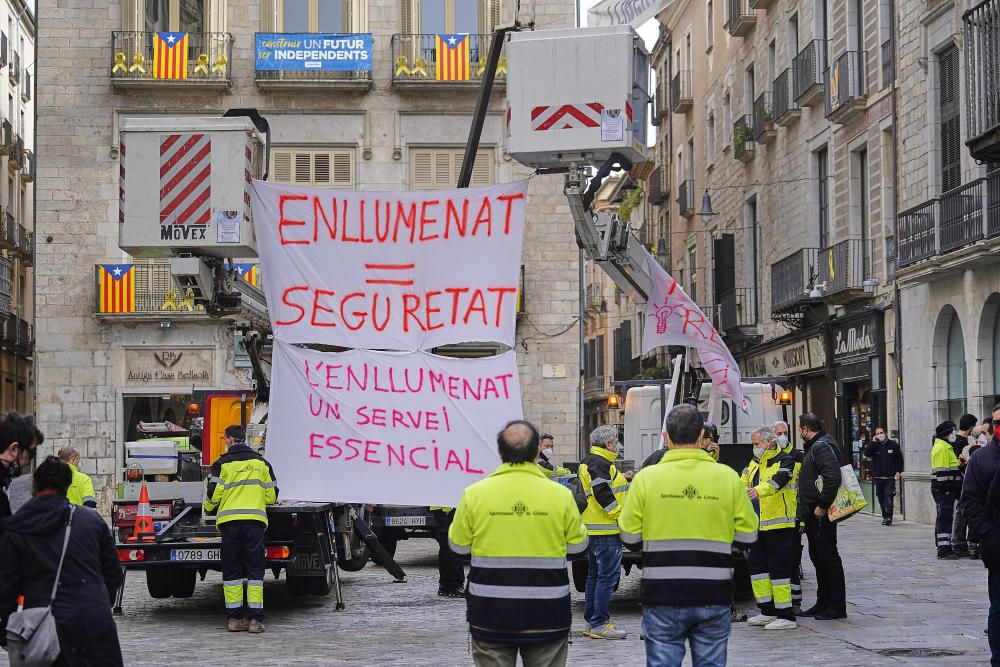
(180,367)
(860,337)
(313,52)
(790,359)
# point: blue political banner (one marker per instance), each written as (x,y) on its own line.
(313,51)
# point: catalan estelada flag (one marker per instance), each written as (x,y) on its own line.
(170,55)
(452,57)
(250,273)
(116,287)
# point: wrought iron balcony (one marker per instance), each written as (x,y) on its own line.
(6,286)
(846,86)
(764,130)
(981,29)
(657,192)
(888,63)
(206,60)
(661,101)
(685,198)
(16,155)
(738,309)
(791,279)
(785,108)
(681,98)
(596,388)
(808,67)
(844,267)
(155,293)
(17,334)
(23,247)
(315,78)
(595,300)
(8,230)
(740,18)
(414,63)
(28,170)
(743,143)
(951,222)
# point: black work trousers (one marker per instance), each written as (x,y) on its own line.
(451,572)
(944,497)
(885,491)
(831,588)
(243,558)
(772,561)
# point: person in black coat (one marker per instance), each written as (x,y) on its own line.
(91,575)
(822,461)
(887,466)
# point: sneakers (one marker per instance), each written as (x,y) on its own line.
(451,592)
(256,627)
(238,624)
(888,521)
(761,619)
(606,631)
(781,624)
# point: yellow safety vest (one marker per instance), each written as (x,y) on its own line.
(81,489)
(518,526)
(606,489)
(944,464)
(777,485)
(685,513)
(240,486)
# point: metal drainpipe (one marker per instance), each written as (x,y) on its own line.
(579,388)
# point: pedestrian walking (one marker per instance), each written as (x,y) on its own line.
(451,571)
(946,485)
(81,490)
(819,479)
(685,513)
(887,467)
(781,432)
(769,480)
(240,487)
(981,506)
(606,488)
(30,550)
(518,527)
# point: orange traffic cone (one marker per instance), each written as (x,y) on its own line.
(143,518)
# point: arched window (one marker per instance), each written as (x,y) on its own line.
(956,369)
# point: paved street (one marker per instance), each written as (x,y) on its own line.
(901,599)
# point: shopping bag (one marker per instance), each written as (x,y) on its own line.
(849,499)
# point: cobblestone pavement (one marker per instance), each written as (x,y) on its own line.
(900,598)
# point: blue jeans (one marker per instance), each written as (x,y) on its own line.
(666,628)
(993,621)
(604,556)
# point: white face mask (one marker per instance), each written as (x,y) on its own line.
(951,437)
(782,440)
(880,437)
(758,452)
(983,438)
(547,451)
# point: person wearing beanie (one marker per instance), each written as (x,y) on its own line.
(946,484)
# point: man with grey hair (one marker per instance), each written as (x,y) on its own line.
(81,489)
(606,488)
(781,431)
(769,480)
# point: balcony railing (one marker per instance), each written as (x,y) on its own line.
(16,334)
(888,63)
(6,286)
(25,245)
(661,101)
(657,192)
(595,297)
(808,67)
(206,60)
(155,293)
(680,92)
(791,279)
(414,62)
(315,78)
(785,108)
(953,221)
(764,131)
(685,198)
(596,387)
(844,266)
(981,29)
(740,19)
(738,308)
(8,230)
(846,86)
(743,143)
(28,170)
(16,155)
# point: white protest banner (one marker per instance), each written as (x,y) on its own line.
(624,12)
(391,270)
(403,428)
(672,318)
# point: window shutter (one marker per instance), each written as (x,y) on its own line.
(489,15)
(268,15)
(133,12)
(482,172)
(358,15)
(329,168)
(321,169)
(343,169)
(950,132)
(423,177)
(216,19)
(303,168)
(439,168)
(281,166)
(409,23)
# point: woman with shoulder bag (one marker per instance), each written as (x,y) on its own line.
(44,535)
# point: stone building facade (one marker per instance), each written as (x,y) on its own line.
(397,129)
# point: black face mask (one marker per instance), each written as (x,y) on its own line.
(15,468)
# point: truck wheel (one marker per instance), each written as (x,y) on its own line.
(158,582)
(297,586)
(182,582)
(320,586)
(355,564)
(580,568)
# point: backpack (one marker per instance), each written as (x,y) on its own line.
(579,495)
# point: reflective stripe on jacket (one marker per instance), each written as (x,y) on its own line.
(944,464)
(518,527)
(686,513)
(81,489)
(606,489)
(240,487)
(776,488)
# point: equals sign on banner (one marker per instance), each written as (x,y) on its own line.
(404,282)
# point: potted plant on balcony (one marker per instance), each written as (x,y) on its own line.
(741,135)
(768,119)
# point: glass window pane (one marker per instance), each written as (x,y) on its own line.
(467,16)
(156,16)
(432,17)
(296,15)
(331,16)
(956,360)
(192,18)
